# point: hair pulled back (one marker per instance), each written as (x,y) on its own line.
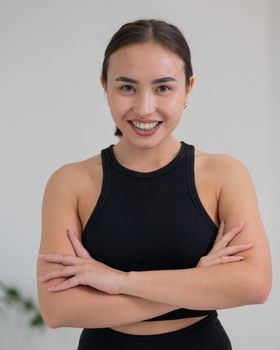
(144,30)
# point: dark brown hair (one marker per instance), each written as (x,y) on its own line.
(144,30)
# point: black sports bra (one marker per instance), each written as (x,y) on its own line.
(150,221)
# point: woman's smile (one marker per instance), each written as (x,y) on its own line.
(145,128)
(146,80)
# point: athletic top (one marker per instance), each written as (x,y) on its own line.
(150,220)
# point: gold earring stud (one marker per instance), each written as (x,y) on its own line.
(185,106)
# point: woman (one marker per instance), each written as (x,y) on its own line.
(142,243)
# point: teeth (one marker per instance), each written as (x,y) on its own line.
(145,126)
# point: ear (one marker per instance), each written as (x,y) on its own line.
(103,83)
(191,84)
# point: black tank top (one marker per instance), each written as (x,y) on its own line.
(150,220)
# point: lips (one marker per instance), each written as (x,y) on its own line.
(143,132)
(145,121)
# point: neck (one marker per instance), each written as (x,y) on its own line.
(146,158)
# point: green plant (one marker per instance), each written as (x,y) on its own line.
(11,297)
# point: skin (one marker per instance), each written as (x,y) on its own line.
(242,271)
(144,63)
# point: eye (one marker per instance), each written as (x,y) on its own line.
(126,88)
(164,88)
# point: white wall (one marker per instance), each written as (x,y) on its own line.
(53,111)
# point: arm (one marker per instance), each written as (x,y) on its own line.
(80,306)
(224,285)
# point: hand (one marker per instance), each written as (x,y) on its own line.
(82,270)
(220,252)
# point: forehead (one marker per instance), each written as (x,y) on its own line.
(145,60)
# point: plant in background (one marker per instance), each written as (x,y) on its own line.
(11,296)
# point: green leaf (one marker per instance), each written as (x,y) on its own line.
(37,321)
(12,296)
(12,293)
(28,305)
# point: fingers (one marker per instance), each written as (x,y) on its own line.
(225,255)
(223,239)
(220,260)
(221,252)
(80,251)
(232,233)
(61,259)
(220,231)
(77,245)
(69,283)
(231,250)
(67,272)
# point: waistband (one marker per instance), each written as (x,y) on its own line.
(183,331)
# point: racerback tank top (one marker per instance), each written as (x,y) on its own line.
(150,220)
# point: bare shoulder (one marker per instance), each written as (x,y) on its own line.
(225,175)
(61,199)
(218,159)
(73,176)
(223,166)
(236,194)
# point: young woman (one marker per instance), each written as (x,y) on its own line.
(142,243)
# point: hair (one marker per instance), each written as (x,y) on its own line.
(145,30)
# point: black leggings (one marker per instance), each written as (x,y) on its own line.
(207,333)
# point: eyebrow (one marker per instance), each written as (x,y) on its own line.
(155,81)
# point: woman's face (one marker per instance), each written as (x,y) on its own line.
(136,93)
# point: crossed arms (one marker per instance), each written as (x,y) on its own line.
(152,293)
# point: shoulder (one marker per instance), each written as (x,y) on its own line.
(225,168)
(219,161)
(234,188)
(71,177)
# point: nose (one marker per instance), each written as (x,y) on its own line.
(144,104)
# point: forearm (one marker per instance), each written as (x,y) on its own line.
(85,307)
(202,288)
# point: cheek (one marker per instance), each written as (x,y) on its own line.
(118,104)
(174,107)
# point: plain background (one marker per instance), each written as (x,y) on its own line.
(53,111)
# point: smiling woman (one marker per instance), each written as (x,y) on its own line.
(156,89)
(141,243)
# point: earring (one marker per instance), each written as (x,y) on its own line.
(185,106)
